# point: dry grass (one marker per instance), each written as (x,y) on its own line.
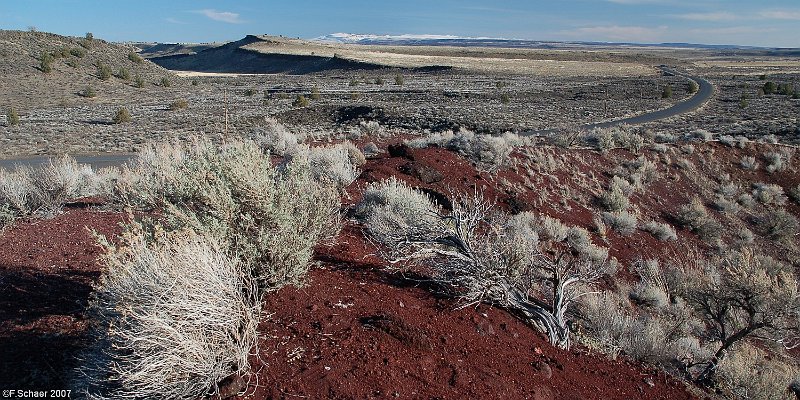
(173,317)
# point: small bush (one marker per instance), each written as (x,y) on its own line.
(726,205)
(46,62)
(702,135)
(623,222)
(271,218)
(693,87)
(122,116)
(753,374)
(315,93)
(777,224)
(505,98)
(337,165)
(667,92)
(275,139)
(165,82)
(300,101)
(44,190)
(124,74)
(794,194)
(12,117)
(179,104)
(249,92)
(103,71)
(770,87)
(769,194)
(399,80)
(614,199)
(749,163)
(695,217)
(138,82)
(135,58)
(88,92)
(78,52)
(777,161)
(661,231)
(372,128)
(173,316)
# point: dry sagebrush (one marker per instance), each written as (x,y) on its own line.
(173,316)
(269,217)
(534,267)
(43,190)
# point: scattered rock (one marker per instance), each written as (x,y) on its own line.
(400,150)
(422,171)
(231,385)
(542,369)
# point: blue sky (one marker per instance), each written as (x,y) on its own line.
(772,23)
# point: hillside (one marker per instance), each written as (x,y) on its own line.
(270,54)
(74,68)
(236,57)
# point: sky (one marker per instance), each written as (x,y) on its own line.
(767,23)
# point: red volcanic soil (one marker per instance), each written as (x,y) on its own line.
(47,268)
(356,332)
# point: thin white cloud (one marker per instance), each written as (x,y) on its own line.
(619,33)
(222,16)
(174,21)
(790,15)
(733,30)
(637,1)
(709,17)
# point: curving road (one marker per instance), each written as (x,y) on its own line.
(704,92)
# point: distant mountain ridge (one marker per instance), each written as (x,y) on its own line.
(451,40)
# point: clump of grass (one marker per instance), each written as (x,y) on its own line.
(46,62)
(124,74)
(769,194)
(696,218)
(12,117)
(315,93)
(749,163)
(300,101)
(777,224)
(165,82)
(661,231)
(103,71)
(135,58)
(138,82)
(667,92)
(622,222)
(88,92)
(122,116)
(78,52)
(179,104)
(173,316)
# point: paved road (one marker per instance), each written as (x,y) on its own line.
(96,161)
(703,94)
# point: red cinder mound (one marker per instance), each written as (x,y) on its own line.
(356,332)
